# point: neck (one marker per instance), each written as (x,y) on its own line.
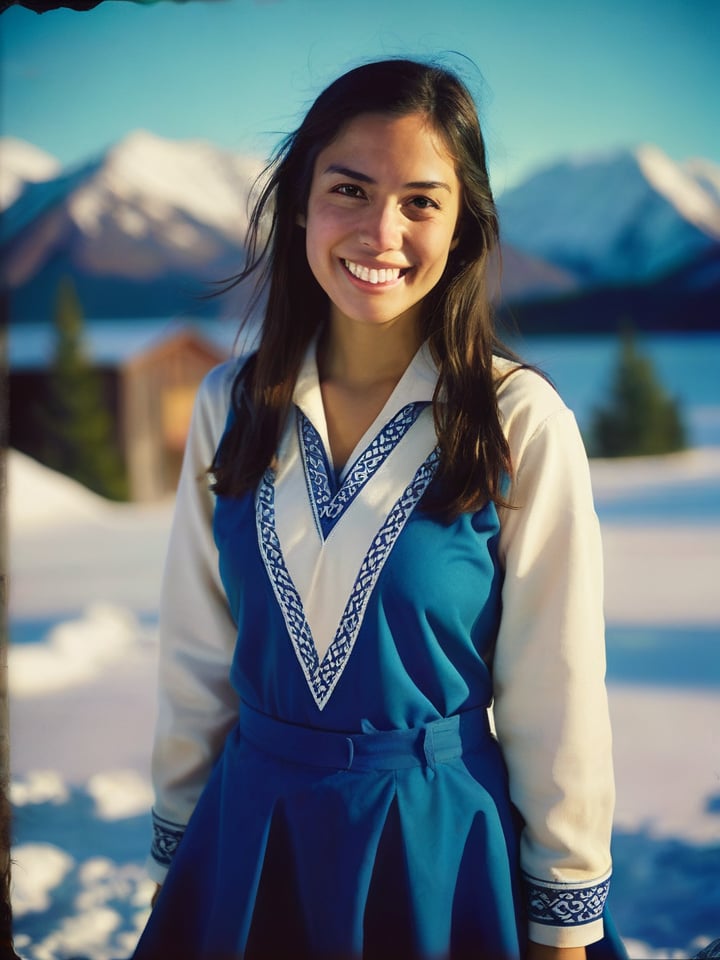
(360,356)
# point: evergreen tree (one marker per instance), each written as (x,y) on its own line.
(77,424)
(640,418)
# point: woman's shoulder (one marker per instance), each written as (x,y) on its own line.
(530,408)
(214,396)
(215,388)
(534,416)
(524,392)
(218,381)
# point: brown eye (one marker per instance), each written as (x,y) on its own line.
(349,190)
(424,203)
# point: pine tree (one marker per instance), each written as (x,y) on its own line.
(78,426)
(640,418)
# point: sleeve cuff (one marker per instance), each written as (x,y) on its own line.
(566,936)
(166,839)
(156,873)
(566,914)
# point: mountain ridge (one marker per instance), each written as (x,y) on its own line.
(624,216)
(149,224)
(22,162)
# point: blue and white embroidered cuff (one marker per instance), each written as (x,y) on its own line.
(566,907)
(166,837)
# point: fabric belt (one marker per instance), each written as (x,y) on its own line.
(423,746)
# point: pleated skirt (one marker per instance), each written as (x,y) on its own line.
(312,845)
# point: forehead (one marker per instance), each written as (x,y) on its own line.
(386,142)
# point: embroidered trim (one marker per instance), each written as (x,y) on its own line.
(317,469)
(322,677)
(166,838)
(328,506)
(562,904)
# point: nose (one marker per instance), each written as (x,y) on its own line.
(381,227)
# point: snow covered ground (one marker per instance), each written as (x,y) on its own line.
(85,581)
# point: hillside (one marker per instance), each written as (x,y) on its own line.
(149,227)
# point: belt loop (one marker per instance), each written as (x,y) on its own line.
(429,751)
(351,752)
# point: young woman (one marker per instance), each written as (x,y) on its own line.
(397,534)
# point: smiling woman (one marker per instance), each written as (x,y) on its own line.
(397,534)
(373,223)
(377,247)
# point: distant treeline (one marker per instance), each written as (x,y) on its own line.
(658,308)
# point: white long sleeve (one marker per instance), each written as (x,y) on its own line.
(550,708)
(550,703)
(197,705)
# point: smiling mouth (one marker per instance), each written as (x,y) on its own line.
(372,275)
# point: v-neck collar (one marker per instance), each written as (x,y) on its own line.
(332,494)
(324,541)
(417,384)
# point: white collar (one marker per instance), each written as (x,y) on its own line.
(416,384)
(323,579)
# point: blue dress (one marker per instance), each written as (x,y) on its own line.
(360,806)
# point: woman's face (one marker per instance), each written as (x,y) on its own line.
(381,218)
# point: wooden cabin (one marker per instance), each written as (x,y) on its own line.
(150,374)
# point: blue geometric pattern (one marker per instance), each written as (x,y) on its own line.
(564,904)
(322,677)
(328,504)
(166,837)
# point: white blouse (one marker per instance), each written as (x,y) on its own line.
(550,705)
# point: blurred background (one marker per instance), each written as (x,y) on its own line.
(130,138)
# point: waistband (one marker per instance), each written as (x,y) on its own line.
(423,746)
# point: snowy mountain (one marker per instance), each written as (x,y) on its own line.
(141,229)
(626,217)
(147,227)
(22,163)
(524,277)
(706,174)
(149,223)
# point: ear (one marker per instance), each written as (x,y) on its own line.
(301,220)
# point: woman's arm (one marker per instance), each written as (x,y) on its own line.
(197,636)
(550,708)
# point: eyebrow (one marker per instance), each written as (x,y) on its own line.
(364,178)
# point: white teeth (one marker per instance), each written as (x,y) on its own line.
(385,275)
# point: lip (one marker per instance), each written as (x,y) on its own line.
(373,267)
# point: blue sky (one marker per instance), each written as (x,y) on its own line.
(551,76)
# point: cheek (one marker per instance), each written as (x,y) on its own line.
(437,253)
(317,237)
(318,251)
(313,254)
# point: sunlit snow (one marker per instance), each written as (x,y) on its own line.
(82,673)
(22,162)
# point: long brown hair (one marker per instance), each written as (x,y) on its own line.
(457,321)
